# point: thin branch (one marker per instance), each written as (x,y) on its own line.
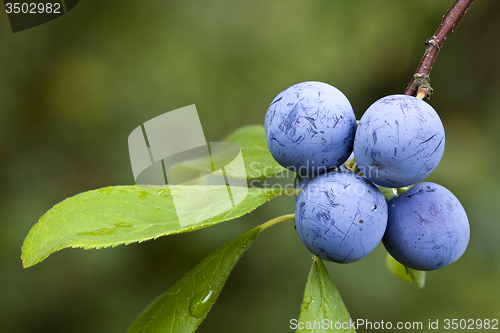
(451,20)
(278,219)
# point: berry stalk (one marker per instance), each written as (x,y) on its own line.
(421,80)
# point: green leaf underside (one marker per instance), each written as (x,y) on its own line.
(412,276)
(322,301)
(118,215)
(259,163)
(184,306)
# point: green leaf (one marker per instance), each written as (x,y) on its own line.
(259,163)
(322,303)
(412,276)
(387,192)
(126,214)
(183,307)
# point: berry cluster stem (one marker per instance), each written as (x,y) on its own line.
(276,220)
(421,80)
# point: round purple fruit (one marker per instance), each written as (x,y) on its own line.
(399,141)
(340,216)
(427,228)
(310,128)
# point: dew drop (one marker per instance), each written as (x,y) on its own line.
(308,303)
(163,192)
(200,304)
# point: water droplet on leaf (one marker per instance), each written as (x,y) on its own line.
(164,192)
(308,302)
(201,303)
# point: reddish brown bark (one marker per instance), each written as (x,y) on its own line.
(450,21)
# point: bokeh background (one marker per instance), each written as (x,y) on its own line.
(73,89)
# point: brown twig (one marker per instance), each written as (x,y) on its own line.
(420,80)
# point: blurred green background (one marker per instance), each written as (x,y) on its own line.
(73,89)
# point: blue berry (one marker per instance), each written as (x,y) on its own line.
(399,141)
(427,228)
(340,216)
(310,128)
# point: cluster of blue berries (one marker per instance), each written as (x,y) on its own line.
(342,216)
